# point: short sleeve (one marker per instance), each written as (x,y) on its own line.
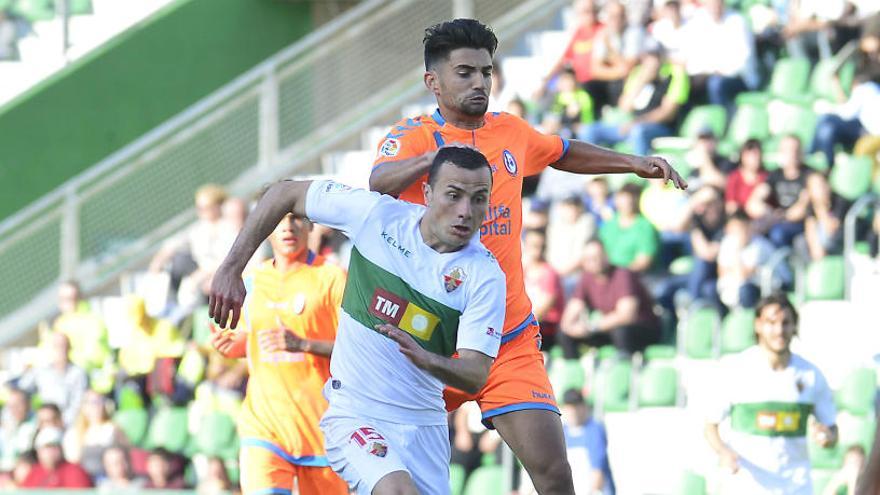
(339,206)
(482,321)
(541,149)
(824,408)
(404,140)
(679,85)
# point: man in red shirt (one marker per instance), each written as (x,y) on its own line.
(51,470)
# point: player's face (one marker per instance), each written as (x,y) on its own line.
(290,238)
(775,328)
(463,82)
(457,203)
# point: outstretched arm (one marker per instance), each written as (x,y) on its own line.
(585,158)
(393,178)
(227,287)
(468,373)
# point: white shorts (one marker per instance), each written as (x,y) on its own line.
(362,451)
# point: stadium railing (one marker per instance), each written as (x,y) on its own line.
(271,122)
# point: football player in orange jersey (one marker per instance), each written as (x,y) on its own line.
(517,400)
(290,315)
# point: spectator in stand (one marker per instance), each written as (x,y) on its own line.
(709,168)
(653,94)
(851,120)
(49,415)
(568,231)
(17,428)
(810,27)
(470,438)
(89,348)
(22,467)
(117,470)
(718,48)
(668,209)
(164,471)
(629,237)
(150,339)
(668,30)
(59,381)
(826,210)
(51,470)
(847,478)
(782,200)
(616,50)
(587,444)
(598,202)
(216,479)
(537,214)
(8,37)
(622,309)
(543,286)
(92,433)
(740,254)
(572,107)
(578,53)
(749,174)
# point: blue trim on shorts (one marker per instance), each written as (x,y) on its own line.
(306,460)
(530,320)
(271,491)
(522,406)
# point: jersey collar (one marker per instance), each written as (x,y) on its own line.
(438,118)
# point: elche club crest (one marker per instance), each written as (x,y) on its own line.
(509,162)
(453,279)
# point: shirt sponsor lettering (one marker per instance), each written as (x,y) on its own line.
(781,421)
(403,314)
(497,221)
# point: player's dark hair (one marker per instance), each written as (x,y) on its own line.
(50,406)
(467,158)
(440,39)
(780,299)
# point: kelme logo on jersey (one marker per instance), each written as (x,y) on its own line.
(391,147)
(509,162)
(453,279)
(403,314)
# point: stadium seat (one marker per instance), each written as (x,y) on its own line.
(611,386)
(566,374)
(659,352)
(35,10)
(457,476)
(201,326)
(851,177)
(858,391)
(80,7)
(711,116)
(607,352)
(690,483)
(681,265)
(825,279)
(129,398)
(216,436)
(485,480)
(820,477)
(856,430)
(789,82)
(825,458)
(738,331)
(821,84)
(749,121)
(787,118)
(699,331)
(658,386)
(169,429)
(134,423)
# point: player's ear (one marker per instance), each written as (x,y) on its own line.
(431,81)
(426,193)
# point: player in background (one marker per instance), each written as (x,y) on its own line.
(517,400)
(420,288)
(290,319)
(768,394)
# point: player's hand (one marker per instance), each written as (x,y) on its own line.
(823,435)
(226,297)
(654,167)
(222,340)
(729,461)
(280,340)
(408,346)
(463,441)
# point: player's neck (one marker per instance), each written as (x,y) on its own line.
(778,360)
(462,121)
(287,263)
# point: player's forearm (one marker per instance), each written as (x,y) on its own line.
(464,374)
(282,198)
(319,347)
(393,178)
(586,158)
(713,438)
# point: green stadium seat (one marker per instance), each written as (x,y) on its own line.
(612,386)
(825,458)
(567,374)
(690,483)
(699,331)
(35,10)
(169,429)
(5,4)
(80,7)
(216,436)
(201,332)
(858,392)
(821,84)
(856,430)
(749,121)
(820,477)
(681,265)
(134,423)
(738,331)
(485,480)
(129,398)
(711,116)
(457,477)
(607,352)
(790,77)
(658,386)
(659,352)
(851,177)
(825,279)
(794,119)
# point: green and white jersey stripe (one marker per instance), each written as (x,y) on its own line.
(445,301)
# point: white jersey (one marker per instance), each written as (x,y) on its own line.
(446,301)
(768,412)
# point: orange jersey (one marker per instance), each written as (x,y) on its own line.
(284,400)
(514,151)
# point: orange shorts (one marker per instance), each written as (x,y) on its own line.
(517,380)
(266,468)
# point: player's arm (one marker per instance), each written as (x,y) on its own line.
(869,481)
(229,343)
(726,455)
(284,340)
(393,178)
(468,373)
(227,287)
(585,158)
